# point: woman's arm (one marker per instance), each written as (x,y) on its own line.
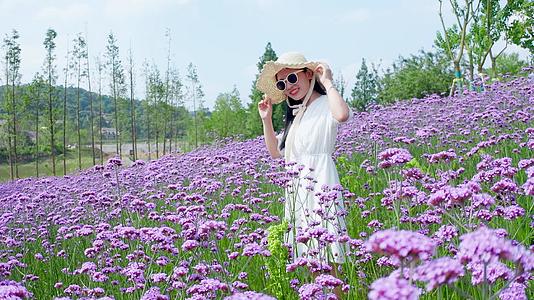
(338,106)
(265,109)
(270,139)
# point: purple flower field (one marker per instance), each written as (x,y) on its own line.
(438,193)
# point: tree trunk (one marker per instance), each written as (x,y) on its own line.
(195,113)
(91,112)
(471,67)
(65,123)
(100,120)
(148,130)
(116,110)
(14,128)
(78,120)
(457,78)
(37,133)
(51,124)
(9,146)
(157,141)
(132,115)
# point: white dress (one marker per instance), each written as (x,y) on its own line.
(313,147)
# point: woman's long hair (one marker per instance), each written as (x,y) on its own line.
(289,112)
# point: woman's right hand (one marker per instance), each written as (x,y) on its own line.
(265,108)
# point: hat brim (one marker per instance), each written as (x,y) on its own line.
(267,79)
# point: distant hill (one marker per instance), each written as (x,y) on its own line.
(85,96)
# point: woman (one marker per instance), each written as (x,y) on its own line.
(314,110)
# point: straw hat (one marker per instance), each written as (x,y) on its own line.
(267,79)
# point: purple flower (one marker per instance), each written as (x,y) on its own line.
(452,195)
(445,233)
(394,156)
(444,155)
(255,249)
(249,295)
(516,291)
(505,185)
(207,286)
(494,271)
(328,281)
(114,162)
(513,212)
(99,277)
(401,244)
(310,291)
(190,245)
(158,277)
(482,200)
(393,288)
(13,290)
(526,163)
(154,294)
(528,187)
(444,270)
(484,246)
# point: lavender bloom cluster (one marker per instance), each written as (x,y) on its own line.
(193,225)
(402,244)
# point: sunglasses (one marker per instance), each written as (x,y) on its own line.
(290,78)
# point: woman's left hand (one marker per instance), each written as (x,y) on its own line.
(324,72)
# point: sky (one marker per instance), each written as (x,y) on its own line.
(224,39)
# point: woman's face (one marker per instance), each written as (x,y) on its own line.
(299,89)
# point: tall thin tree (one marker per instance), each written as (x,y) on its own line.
(36,88)
(464,14)
(7,109)
(65,112)
(99,68)
(50,70)
(79,53)
(177,96)
(132,103)
(194,90)
(117,80)
(166,106)
(13,61)
(146,73)
(91,113)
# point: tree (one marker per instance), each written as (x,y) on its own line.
(415,76)
(67,70)
(519,24)
(340,84)
(196,95)
(35,90)
(155,94)
(453,47)
(100,68)
(254,125)
(79,53)
(166,111)
(116,73)
(12,63)
(178,118)
(510,64)
(91,114)
(228,117)
(131,76)
(493,18)
(366,88)
(50,71)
